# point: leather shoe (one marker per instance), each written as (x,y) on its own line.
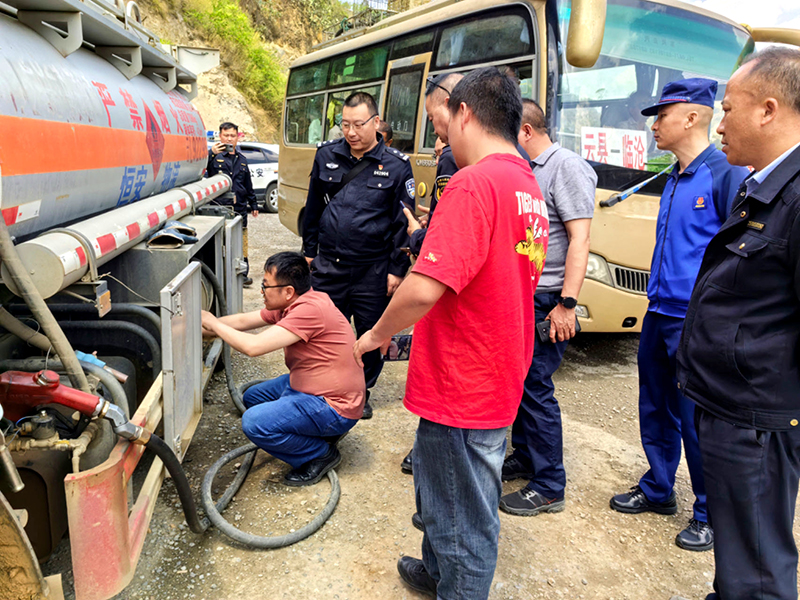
(528,503)
(416,521)
(514,469)
(413,573)
(698,537)
(248,281)
(407,466)
(367,414)
(311,472)
(635,502)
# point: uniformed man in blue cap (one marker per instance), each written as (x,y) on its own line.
(353,225)
(696,201)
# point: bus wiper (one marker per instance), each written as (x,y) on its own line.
(620,196)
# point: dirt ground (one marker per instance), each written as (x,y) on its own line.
(587,551)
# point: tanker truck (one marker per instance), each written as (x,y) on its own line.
(100,148)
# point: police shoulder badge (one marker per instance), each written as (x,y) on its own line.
(410,185)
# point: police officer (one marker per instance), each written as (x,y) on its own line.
(234,164)
(695,202)
(353,226)
(740,351)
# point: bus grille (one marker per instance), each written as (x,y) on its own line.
(631,280)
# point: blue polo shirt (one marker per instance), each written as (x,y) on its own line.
(694,205)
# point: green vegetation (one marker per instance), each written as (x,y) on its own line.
(253,67)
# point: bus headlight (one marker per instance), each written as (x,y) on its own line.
(597,269)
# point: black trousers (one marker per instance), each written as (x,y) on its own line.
(751,482)
(359,291)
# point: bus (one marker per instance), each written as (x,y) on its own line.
(591,65)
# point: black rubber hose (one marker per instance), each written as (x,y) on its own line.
(113,386)
(117,308)
(137,330)
(222,305)
(167,456)
(258,541)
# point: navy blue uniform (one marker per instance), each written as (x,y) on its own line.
(235,166)
(693,206)
(355,232)
(739,360)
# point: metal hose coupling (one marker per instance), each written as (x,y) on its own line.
(123,427)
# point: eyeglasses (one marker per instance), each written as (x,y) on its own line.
(358,124)
(431,82)
(264,288)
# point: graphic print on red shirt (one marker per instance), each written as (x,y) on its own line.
(488,245)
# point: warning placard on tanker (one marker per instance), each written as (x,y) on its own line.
(620,147)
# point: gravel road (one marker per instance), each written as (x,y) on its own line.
(587,551)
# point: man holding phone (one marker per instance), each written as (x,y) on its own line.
(568,187)
(224,158)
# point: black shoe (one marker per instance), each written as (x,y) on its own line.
(698,537)
(528,502)
(367,410)
(514,469)
(248,281)
(407,466)
(311,472)
(635,502)
(416,521)
(413,572)
(334,440)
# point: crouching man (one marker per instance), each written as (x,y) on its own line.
(297,417)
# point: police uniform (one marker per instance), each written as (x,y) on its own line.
(354,231)
(739,360)
(244,199)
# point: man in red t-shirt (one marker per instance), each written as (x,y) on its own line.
(471,295)
(297,417)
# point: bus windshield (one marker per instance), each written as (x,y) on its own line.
(645,46)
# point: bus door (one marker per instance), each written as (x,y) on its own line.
(404,107)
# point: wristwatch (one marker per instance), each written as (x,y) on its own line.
(568,302)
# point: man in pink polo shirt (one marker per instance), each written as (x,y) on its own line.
(297,417)
(470,294)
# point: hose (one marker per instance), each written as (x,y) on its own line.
(131,328)
(13,325)
(30,294)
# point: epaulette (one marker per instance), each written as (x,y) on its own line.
(325,143)
(398,154)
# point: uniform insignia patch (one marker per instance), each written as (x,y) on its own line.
(410,185)
(332,165)
(755,225)
(699,203)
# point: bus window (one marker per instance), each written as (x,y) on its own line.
(401,106)
(335,104)
(483,40)
(308,79)
(359,66)
(304,120)
(411,46)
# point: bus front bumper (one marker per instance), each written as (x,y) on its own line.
(610,310)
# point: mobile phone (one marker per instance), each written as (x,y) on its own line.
(400,348)
(409,207)
(228,148)
(405,249)
(543,330)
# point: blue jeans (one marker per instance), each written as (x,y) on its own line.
(289,424)
(666,416)
(536,434)
(457,485)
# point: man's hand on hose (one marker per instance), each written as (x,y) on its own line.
(367,343)
(562,323)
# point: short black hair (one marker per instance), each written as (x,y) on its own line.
(776,72)
(228,125)
(533,115)
(442,84)
(357,98)
(494,100)
(291,268)
(386,130)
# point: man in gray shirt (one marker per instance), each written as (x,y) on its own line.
(568,186)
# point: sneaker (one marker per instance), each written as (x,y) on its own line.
(407,466)
(514,469)
(528,503)
(416,521)
(413,573)
(635,502)
(698,537)
(248,281)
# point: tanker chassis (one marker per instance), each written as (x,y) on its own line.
(100,148)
